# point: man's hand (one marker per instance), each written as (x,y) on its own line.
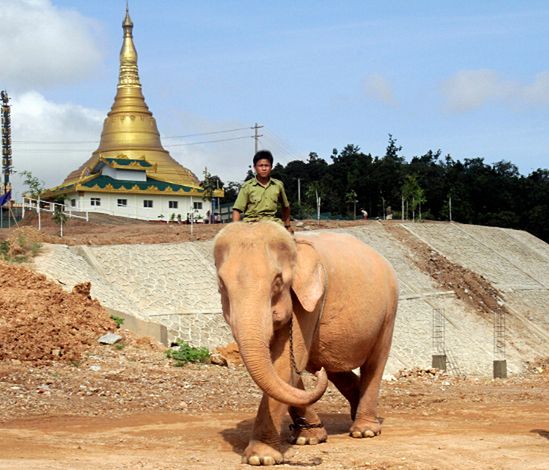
(237,216)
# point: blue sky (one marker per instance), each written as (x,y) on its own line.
(469,78)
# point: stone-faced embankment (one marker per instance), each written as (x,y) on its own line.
(175,285)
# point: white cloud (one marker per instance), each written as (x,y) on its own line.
(538,91)
(471,89)
(42,45)
(42,132)
(378,87)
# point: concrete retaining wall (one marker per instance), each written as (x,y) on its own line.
(174,286)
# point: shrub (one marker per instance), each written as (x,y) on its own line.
(18,250)
(118,320)
(186,353)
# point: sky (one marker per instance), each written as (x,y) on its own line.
(468,78)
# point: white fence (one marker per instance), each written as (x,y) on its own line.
(46,206)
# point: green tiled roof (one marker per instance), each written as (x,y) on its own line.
(103,181)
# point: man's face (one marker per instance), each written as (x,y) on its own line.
(263,168)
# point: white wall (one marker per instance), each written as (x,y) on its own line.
(135,208)
(128,175)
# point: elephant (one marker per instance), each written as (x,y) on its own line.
(318,301)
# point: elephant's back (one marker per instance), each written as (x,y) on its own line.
(348,257)
(361,299)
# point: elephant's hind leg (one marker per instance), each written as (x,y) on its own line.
(307,429)
(367,423)
(348,383)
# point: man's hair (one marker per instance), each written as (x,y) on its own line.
(263,155)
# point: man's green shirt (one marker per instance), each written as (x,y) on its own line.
(259,202)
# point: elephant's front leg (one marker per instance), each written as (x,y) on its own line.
(264,446)
(307,429)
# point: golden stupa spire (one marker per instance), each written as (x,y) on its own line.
(130,128)
(129,75)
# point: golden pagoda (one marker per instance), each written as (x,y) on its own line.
(130,159)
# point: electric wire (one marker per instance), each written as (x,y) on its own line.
(210,141)
(96,141)
(166,145)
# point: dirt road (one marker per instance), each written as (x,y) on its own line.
(128,409)
(487,437)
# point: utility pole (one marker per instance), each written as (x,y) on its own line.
(7,164)
(256,136)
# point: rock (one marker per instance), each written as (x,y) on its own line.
(218,360)
(95,368)
(82,289)
(110,338)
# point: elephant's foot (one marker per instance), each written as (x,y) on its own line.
(259,453)
(310,436)
(365,428)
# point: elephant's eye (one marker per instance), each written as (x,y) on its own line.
(220,285)
(277,283)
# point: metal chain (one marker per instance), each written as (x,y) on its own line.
(292,357)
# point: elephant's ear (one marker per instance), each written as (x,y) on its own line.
(309,277)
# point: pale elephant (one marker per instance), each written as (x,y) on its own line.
(321,302)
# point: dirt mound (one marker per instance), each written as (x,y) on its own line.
(539,365)
(431,373)
(468,286)
(21,244)
(39,322)
(231,353)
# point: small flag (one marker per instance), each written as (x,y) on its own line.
(5,198)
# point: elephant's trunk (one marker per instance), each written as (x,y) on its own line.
(253,338)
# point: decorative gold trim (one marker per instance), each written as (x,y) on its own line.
(136,190)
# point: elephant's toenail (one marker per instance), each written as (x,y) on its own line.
(313,441)
(254,460)
(356,434)
(268,461)
(369,433)
(301,441)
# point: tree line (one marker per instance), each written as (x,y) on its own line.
(428,186)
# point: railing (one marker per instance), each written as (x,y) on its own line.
(46,206)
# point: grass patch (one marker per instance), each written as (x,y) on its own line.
(185,353)
(118,320)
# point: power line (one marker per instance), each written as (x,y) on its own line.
(167,146)
(96,141)
(278,141)
(207,133)
(211,141)
(56,141)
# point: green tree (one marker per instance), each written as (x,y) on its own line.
(59,217)
(314,195)
(210,184)
(351,200)
(231,191)
(35,185)
(412,194)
